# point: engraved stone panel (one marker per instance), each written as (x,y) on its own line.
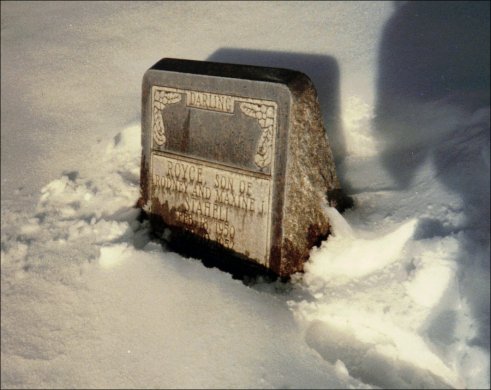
(244,139)
(228,206)
(235,160)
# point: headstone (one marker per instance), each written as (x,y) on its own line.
(236,161)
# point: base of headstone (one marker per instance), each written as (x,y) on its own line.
(190,245)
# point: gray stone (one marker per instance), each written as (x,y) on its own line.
(236,161)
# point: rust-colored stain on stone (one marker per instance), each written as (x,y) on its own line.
(144,184)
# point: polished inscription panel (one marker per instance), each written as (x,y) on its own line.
(220,196)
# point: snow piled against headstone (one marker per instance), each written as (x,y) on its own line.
(406,305)
(397,297)
(90,301)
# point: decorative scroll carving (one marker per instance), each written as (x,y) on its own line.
(265,114)
(160,100)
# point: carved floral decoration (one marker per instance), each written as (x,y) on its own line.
(265,115)
(160,100)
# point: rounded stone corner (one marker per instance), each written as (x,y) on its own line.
(299,84)
(146,77)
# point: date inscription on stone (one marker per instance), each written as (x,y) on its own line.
(229,206)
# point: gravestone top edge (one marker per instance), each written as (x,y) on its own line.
(234,71)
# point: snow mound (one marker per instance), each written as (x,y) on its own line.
(367,307)
(398,296)
(89,301)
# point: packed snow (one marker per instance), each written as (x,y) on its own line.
(397,297)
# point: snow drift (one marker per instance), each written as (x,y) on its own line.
(398,296)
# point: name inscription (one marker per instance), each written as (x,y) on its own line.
(210,101)
(221,204)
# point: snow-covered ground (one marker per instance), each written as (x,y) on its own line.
(397,297)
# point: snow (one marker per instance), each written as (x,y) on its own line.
(397,297)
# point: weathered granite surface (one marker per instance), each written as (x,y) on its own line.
(236,162)
(310,173)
